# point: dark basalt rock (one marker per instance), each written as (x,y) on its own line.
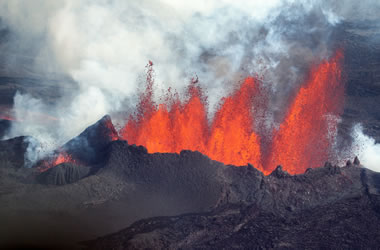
(12,151)
(250,210)
(63,173)
(332,169)
(356,161)
(187,180)
(245,203)
(328,165)
(279,172)
(89,146)
(4,127)
(352,223)
(190,174)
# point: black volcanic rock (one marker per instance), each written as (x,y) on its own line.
(130,184)
(64,173)
(12,151)
(333,209)
(4,127)
(89,146)
(279,172)
(250,210)
(87,149)
(347,224)
(188,180)
(356,161)
(207,183)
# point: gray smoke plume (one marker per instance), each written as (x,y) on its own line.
(103,46)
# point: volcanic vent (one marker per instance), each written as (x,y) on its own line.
(85,149)
(304,139)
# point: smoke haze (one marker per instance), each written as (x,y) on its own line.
(366,149)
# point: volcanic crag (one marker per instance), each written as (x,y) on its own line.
(221,205)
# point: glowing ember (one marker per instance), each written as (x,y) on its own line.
(302,141)
(62,157)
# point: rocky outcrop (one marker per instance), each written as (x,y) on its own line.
(227,200)
(89,146)
(12,151)
(348,223)
(327,207)
(64,173)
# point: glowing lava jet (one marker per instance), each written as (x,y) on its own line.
(176,125)
(305,136)
(303,139)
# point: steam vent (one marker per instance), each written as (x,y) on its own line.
(189,125)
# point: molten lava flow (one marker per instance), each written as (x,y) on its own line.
(304,138)
(62,157)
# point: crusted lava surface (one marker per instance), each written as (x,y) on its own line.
(348,223)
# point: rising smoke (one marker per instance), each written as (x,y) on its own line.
(104,45)
(366,148)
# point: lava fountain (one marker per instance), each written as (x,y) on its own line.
(303,139)
(305,136)
(174,125)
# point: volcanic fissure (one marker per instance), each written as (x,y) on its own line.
(303,140)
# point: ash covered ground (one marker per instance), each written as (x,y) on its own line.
(127,198)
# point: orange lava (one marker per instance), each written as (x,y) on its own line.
(232,138)
(304,137)
(303,140)
(169,127)
(62,157)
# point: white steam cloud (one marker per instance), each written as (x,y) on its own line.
(366,149)
(103,45)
